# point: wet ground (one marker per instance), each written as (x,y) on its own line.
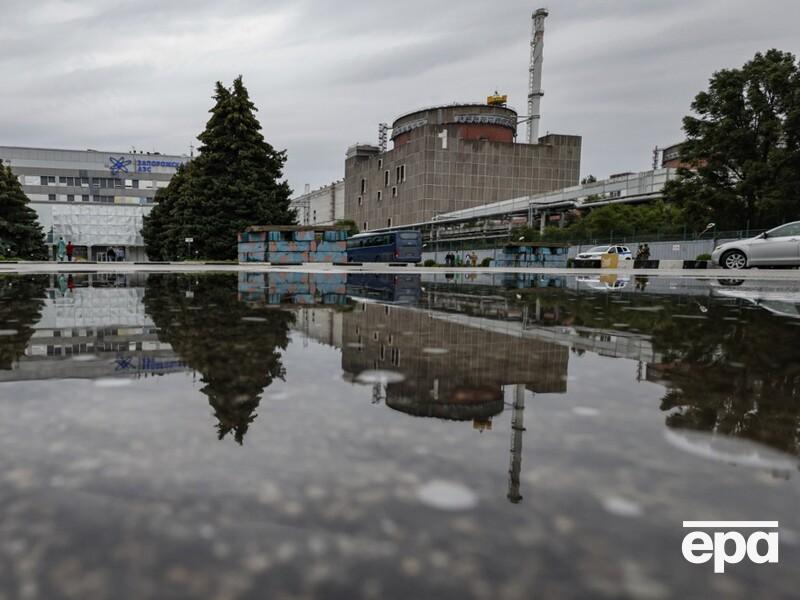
(334,435)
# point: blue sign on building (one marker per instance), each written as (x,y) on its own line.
(118,165)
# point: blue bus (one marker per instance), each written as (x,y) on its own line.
(391,246)
(389,288)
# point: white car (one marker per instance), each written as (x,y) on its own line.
(777,298)
(604,284)
(779,247)
(597,252)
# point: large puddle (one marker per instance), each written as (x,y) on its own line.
(296,435)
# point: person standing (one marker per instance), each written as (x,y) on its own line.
(646,252)
(70,251)
(61,250)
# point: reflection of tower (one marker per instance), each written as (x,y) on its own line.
(517,429)
(378,392)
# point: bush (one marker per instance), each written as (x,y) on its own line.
(486,262)
(705,256)
(570,263)
(429,263)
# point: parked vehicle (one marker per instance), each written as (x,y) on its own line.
(604,283)
(387,288)
(392,246)
(780,298)
(779,247)
(597,252)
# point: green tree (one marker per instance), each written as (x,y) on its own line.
(612,220)
(743,143)
(20,232)
(235,182)
(165,228)
(352,228)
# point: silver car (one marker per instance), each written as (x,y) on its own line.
(779,247)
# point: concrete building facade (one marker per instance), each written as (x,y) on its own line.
(323,206)
(449,158)
(97,200)
(94,326)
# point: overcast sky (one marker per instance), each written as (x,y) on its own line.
(115,74)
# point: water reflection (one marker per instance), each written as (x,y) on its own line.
(393,460)
(21,302)
(461,346)
(236,347)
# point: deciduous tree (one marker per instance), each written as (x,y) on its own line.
(743,142)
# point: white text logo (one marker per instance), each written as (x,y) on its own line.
(728,545)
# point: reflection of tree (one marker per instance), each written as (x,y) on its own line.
(729,367)
(235,347)
(21,302)
(735,377)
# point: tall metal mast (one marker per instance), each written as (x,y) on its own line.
(535,92)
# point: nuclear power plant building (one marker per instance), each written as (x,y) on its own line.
(453,157)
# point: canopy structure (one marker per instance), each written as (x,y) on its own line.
(94,225)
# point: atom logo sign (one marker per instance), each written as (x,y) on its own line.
(124,364)
(118,165)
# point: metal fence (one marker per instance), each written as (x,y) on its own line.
(487,243)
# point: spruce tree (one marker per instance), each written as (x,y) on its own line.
(235,182)
(21,234)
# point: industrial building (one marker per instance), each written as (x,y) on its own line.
(450,158)
(454,157)
(95,199)
(323,206)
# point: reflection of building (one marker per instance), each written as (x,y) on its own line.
(452,157)
(95,199)
(292,288)
(451,370)
(94,326)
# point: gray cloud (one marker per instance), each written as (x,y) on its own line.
(621,73)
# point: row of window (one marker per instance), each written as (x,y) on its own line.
(74,349)
(399,177)
(95,182)
(99,332)
(394,354)
(379,196)
(94,198)
(365,224)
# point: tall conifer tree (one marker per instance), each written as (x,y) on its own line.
(21,234)
(235,182)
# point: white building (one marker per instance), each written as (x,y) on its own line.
(95,199)
(323,206)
